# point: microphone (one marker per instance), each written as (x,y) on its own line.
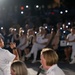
(40,69)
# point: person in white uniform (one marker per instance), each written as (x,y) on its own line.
(49,59)
(6,59)
(39,43)
(71,41)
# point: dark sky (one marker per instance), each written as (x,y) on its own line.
(68,3)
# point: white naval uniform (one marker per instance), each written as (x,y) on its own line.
(71,37)
(6,59)
(38,46)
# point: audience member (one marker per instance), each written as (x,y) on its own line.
(5,59)
(71,42)
(39,42)
(23,42)
(18,68)
(52,43)
(30,35)
(49,59)
(15,36)
(13,50)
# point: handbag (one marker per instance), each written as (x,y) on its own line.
(63,43)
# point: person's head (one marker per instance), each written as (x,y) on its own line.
(73,30)
(30,32)
(11,30)
(42,30)
(18,68)
(53,31)
(48,57)
(58,25)
(64,26)
(1,43)
(27,26)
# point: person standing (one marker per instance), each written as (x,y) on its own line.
(71,42)
(5,59)
(49,59)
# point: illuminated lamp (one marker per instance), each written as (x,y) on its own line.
(37,6)
(22,12)
(22,7)
(27,6)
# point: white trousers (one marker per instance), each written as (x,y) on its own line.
(73,52)
(35,48)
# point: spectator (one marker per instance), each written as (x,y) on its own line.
(52,43)
(15,36)
(71,42)
(5,59)
(4,35)
(13,50)
(30,35)
(49,60)
(18,68)
(39,42)
(23,43)
(27,27)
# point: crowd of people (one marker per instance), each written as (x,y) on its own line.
(22,43)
